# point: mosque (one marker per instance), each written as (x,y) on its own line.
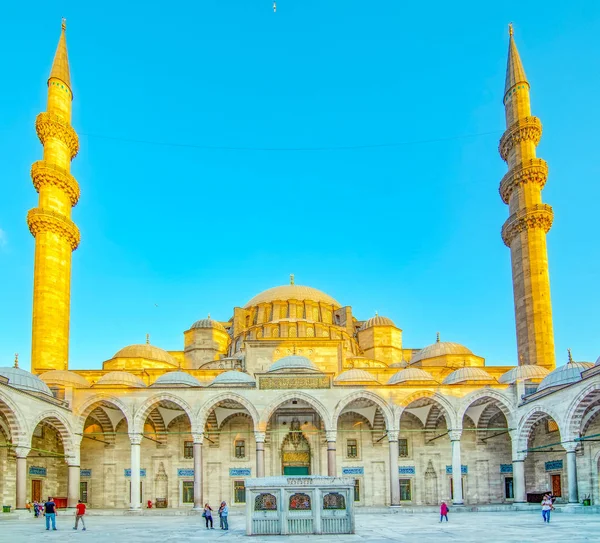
(295,383)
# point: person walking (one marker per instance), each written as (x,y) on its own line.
(79,515)
(36,509)
(50,513)
(207,514)
(444,512)
(546,508)
(224,513)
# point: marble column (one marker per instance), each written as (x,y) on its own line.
(331,437)
(259,438)
(21,454)
(198,494)
(456,467)
(572,471)
(74,463)
(394,480)
(136,440)
(520,494)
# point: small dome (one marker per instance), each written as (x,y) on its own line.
(145,350)
(565,375)
(176,379)
(377,320)
(355,376)
(523,373)
(466,375)
(120,378)
(64,378)
(208,323)
(23,380)
(440,348)
(292,292)
(410,375)
(233,377)
(293,362)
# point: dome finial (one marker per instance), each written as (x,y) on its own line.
(510,29)
(291,278)
(208,317)
(376,313)
(570,356)
(16,360)
(437,337)
(147,339)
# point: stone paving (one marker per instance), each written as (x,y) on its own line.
(507,527)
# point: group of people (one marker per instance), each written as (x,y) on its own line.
(223,514)
(49,510)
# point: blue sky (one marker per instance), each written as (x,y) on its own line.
(411,230)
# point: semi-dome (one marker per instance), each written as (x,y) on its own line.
(411,375)
(232,378)
(565,375)
(23,380)
(293,362)
(467,375)
(355,376)
(440,348)
(292,292)
(523,373)
(145,350)
(65,378)
(377,320)
(120,378)
(208,323)
(176,379)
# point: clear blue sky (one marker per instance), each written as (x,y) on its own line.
(412,231)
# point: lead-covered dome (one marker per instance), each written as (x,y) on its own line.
(23,380)
(233,378)
(120,378)
(208,323)
(355,376)
(292,292)
(468,375)
(528,372)
(145,350)
(440,348)
(597,362)
(377,320)
(176,379)
(411,375)
(293,362)
(565,375)
(64,378)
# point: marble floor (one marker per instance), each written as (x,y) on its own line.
(507,527)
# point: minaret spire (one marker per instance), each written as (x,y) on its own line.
(530,220)
(56,235)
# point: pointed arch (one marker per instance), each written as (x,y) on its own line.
(504,404)
(146,409)
(85,409)
(530,419)
(62,426)
(14,417)
(297,395)
(445,406)
(578,408)
(213,402)
(386,409)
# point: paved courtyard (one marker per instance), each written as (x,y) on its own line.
(423,528)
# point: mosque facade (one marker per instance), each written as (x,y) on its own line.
(294,383)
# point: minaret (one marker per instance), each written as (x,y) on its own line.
(56,236)
(529,221)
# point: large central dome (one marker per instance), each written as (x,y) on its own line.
(292,292)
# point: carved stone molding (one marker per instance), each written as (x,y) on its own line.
(526,129)
(454,435)
(43,220)
(135,439)
(52,126)
(392,435)
(538,216)
(44,173)
(533,171)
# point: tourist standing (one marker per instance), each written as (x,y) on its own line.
(207,514)
(224,513)
(36,509)
(546,507)
(50,513)
(79,515)
(444,512)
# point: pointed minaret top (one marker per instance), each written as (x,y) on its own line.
(147,339)
(60,66)
(291,278)
(515,73)
(437,337)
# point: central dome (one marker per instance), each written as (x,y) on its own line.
(292,292)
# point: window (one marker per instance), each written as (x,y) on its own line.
(188,492)
(403,448)
(356,490)
(509,492)
(239,491)
(551,426)
(188,449)
(405,490)
(83,491)
(240,450)
(352,448)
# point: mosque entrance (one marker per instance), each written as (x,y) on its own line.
(36,490)
(295,452)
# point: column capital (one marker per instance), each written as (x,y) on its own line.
(22,452)
(570,446)
(519,457)
(392,435)
(331,435)
(198,438)
(454,435)
(135,439)
(260,437)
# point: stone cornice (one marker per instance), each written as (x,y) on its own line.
(45,173)
(526,129)
(52,126)
(44,220)
(532,171)
(537,216)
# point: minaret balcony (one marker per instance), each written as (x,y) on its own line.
(45,220)
(534,170)
(525,129)
(45,173)
(52,126)
(539,216)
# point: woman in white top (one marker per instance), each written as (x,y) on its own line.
(546,508)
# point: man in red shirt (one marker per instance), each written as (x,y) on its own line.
(79,515)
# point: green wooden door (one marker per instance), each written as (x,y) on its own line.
(295,470)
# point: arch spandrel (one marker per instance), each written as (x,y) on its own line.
(386,409)
(211,403)
(83,411)
(153,402)
(529,420)
(577,409)
(15,418)
(62,426)
(447,408)
(288,396)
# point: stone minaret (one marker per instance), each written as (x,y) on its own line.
(529,221)
(56,236)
